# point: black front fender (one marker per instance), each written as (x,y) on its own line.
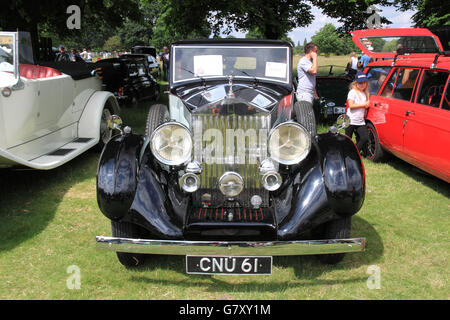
(117,175)
(343,173)
(330,184)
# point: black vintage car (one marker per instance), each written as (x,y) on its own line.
(231,172)
(129,78)
(332,87)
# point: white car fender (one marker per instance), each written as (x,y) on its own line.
(89,124)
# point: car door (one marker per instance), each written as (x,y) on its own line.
(427,128)
(394,101)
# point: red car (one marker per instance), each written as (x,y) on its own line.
(409,113)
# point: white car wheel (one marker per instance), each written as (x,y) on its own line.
(105,131)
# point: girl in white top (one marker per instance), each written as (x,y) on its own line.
(358,102)
(353,61)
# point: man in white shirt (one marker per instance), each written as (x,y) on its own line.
(306,89)
(307,70)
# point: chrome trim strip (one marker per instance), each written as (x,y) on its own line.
(231,248)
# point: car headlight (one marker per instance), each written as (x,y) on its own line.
(171,143)
(289,143)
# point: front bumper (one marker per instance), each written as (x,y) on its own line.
(232,248)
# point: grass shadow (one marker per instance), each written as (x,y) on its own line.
(420,176)
(307,269)
(30,198)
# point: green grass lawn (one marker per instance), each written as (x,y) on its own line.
(49,220)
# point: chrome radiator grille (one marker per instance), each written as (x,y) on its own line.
(235,143)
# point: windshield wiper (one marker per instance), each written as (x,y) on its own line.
(256,81)
(197,76)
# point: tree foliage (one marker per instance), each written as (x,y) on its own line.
(49,17)
(330,41)
(430,13)
(160,22)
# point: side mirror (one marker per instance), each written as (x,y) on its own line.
(115,122)
(342,122)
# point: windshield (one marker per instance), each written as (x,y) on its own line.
(407,44)
(203,62)
(6,53)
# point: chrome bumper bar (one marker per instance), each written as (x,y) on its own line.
(231,248)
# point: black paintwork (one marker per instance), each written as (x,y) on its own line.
(328,184)
(330,89)
(123,73)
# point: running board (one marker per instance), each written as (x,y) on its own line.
(54,158)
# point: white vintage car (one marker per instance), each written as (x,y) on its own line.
(48,114)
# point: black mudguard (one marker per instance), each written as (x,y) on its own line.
(151,207)
(117,175)
(128,188)
(343,173)
(330,184)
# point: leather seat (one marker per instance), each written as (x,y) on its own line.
(37,72)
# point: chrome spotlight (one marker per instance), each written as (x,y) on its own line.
(272,181)
(231,184)
(190,182)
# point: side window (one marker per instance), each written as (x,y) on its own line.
(376,77)
(404,85)
(387,91)
(432,88)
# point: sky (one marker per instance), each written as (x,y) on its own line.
(399,19)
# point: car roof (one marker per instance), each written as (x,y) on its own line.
(233,41)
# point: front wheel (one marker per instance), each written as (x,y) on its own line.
(304,113)
(336,229)
(105,131)
(157,114)
(128,230)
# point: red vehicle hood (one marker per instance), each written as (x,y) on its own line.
(383,43)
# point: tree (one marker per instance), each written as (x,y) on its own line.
(141,32)
(50,16)
(272,18)
(113,44)
(430,13)
(351,13)
(330,41)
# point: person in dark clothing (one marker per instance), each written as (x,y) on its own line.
(166,61)
(76,57)
(62,55)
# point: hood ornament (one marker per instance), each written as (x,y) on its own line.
(230,93)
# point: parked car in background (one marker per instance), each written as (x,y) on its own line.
(231,172)
(144,50)
(409,115)
(129,78)
(150,53)
(49,113)
(332,86)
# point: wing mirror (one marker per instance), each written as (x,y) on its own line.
(342,122)
(115,123)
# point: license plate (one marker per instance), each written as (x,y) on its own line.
(339,110)
(228,265)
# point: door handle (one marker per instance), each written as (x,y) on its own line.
(407,113)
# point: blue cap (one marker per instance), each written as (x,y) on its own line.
(361,77)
